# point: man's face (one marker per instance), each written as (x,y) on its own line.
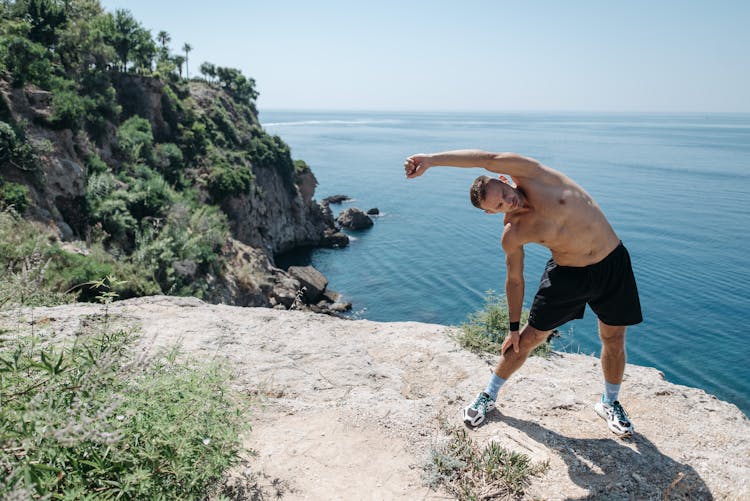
(500,197)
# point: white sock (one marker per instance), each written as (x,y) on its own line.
(496,382)
(610,392)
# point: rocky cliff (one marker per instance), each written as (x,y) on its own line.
(277,213)
(352,409)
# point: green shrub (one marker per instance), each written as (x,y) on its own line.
(194,236)
(115,218)
(18,240)
(15,150)
(241,88)
(169,161)
(68,110)
(72,272)
(300,166)
(224,124)
(95,165)
(24,264)
(101,102)
(273,153)
(193,138)
(7,141)
(88,419)
(150,197)
(227,181)
(14,195)
(107,200)
(135,139)
(486,329)
(36,273)
(27,61)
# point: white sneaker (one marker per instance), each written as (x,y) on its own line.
(615,416)
(475,413)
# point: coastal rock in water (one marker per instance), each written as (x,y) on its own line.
(354,219)
(313,282)
(331,296)
(335,199)
(334,239)
(373,212)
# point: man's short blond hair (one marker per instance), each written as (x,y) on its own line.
(478,191)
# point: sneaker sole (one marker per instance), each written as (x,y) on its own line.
(468,421)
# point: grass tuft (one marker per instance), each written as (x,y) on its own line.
(471,472)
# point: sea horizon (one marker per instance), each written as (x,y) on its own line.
(266,111)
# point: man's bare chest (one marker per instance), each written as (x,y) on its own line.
(535,228)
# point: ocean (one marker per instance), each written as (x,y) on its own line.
(676,188)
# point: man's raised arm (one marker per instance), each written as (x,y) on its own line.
(499,163)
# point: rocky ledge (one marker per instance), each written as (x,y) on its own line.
(351,409)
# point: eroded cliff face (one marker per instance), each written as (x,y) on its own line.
(276,214)
(57,186)
(274,217)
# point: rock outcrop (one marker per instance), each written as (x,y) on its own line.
(334,239)
(313,282)
(335,199)
(351,409)
(354,219)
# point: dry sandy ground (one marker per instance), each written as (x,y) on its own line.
(350,409)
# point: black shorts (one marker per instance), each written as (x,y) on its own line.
(607,286)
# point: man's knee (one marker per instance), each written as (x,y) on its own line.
(612,335)
(531,338)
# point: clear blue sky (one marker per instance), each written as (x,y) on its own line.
(658,56)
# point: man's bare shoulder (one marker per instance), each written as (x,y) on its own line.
(513,235)
(543,174)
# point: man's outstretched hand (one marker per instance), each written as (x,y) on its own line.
(416,165)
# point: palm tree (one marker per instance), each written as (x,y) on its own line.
(163,38)
(178,60)
(187,48)
(209,71)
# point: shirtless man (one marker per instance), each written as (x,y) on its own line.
(589,264)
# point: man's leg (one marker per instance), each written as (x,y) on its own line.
(613,367)
(613,352)
(509,362)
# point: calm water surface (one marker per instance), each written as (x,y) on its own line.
(676,188)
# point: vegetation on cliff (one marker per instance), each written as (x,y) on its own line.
(161,155)
(91,418)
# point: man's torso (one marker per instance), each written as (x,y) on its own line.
(563,218)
